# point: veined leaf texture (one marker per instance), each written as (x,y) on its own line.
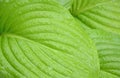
(59,39)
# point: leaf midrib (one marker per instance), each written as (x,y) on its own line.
(18,37)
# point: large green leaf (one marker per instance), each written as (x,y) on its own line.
(104,15)
(108,46)
(98,14)
(40,39)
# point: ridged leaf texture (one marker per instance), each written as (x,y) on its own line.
(41,39)
(101,19)
(108,46)
(98,14)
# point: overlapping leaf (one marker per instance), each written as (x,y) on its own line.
(102,18)
(98,14)
(108,46)
(40,39)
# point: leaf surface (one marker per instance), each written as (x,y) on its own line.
(108,46)
(98,14)
(39,39)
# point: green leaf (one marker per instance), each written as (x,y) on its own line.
(98,14)
(108,46)
(40,39)
(80,6)
(93,15)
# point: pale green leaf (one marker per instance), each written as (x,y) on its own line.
(40,39)
(98,14)
(108,46)
(79,6)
